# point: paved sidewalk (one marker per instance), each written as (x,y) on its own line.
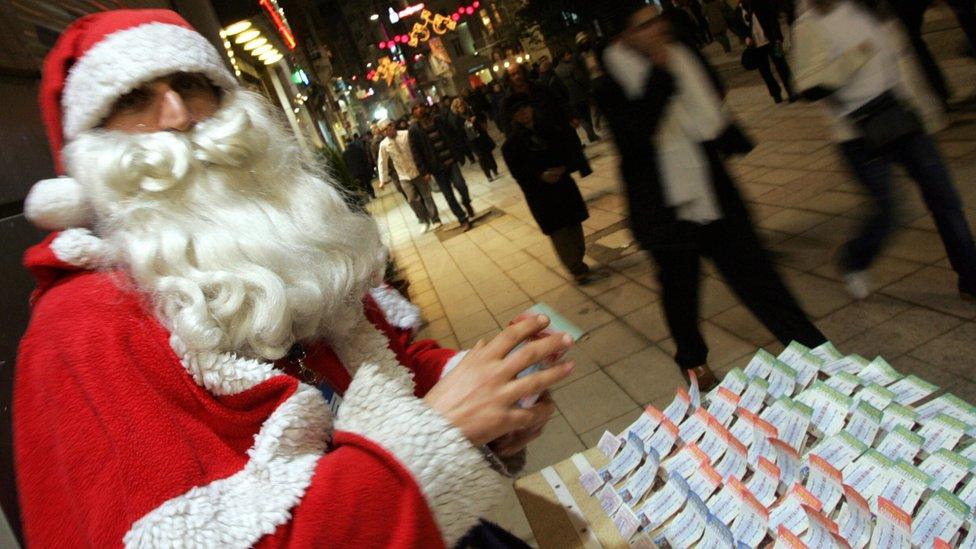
(805,205)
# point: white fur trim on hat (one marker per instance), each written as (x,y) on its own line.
(124,60)
(57,204)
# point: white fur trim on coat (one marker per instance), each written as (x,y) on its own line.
(128,58)
(457,480)
(398,310)
(237,511)
(56,204)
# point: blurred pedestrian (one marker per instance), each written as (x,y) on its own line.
(577,84)
(436,154)
(912,14)
(456,126)
(851,56)
(672,131)
(717,25)
(358,164)
(394,151)
(475,128)
(495,98)
(536,155)
(765,44)
(588,51)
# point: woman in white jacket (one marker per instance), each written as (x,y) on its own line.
(850,54)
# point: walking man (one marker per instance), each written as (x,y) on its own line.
(539,158)
(395,148)
(842,34)
(436,154)
(672,132)
(765,38)
(358,164)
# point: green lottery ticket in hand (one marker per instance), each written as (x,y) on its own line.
(557,324)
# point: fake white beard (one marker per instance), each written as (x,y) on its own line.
(241,243)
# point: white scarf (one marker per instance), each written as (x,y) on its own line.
(694,115)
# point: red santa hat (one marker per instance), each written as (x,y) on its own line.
(97,59)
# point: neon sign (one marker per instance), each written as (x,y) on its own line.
(271,6)
(405,12)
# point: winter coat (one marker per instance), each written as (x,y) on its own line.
(767,13)
(576,81)
(634,124)
(715,14)
(528,153)
(357,160)
(424,154)
(122,434)
(550,113)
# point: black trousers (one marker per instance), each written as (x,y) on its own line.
(765,54)
(737,253)
(912,15)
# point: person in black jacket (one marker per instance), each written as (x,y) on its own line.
(548,109)
(657,98)
(540,157)
(358,164)
(765,38)
(436,154)
(474,127)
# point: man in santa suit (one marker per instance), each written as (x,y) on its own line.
(206,364)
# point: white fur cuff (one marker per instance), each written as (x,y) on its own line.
(457,480)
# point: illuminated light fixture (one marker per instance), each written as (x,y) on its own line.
(247,36)
(237,72)
(237,27)
(469,10)
(262,49)
(456,17)
(255,43)
(495,68)
(270,53)
(507,64)
(369,65)
(518,59)
(527,57)
(227,44)
(382,45)
(476,4)
(283,29)
(374,17)
(273,59)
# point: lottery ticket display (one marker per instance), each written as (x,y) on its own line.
(811,448)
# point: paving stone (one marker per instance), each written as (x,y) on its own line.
(626,298)
(556,443)
(742,323)
(860,316)
(591,401)
(954,351)
(901,334)
(933,287)
(649,322)
(646,375)
(612,342)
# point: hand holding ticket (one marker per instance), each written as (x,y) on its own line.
(557,324)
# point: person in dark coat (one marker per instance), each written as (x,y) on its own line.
(576,81)
(548,109)
(765,39)
(358,164)
(474,127)
(437,154)
(539,157)
(683,211)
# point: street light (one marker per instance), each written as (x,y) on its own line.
(374,17)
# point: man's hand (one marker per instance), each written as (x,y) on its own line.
(750,42)
(553,174)
(479,396)
(516,441)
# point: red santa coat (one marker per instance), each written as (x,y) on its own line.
(123,437)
